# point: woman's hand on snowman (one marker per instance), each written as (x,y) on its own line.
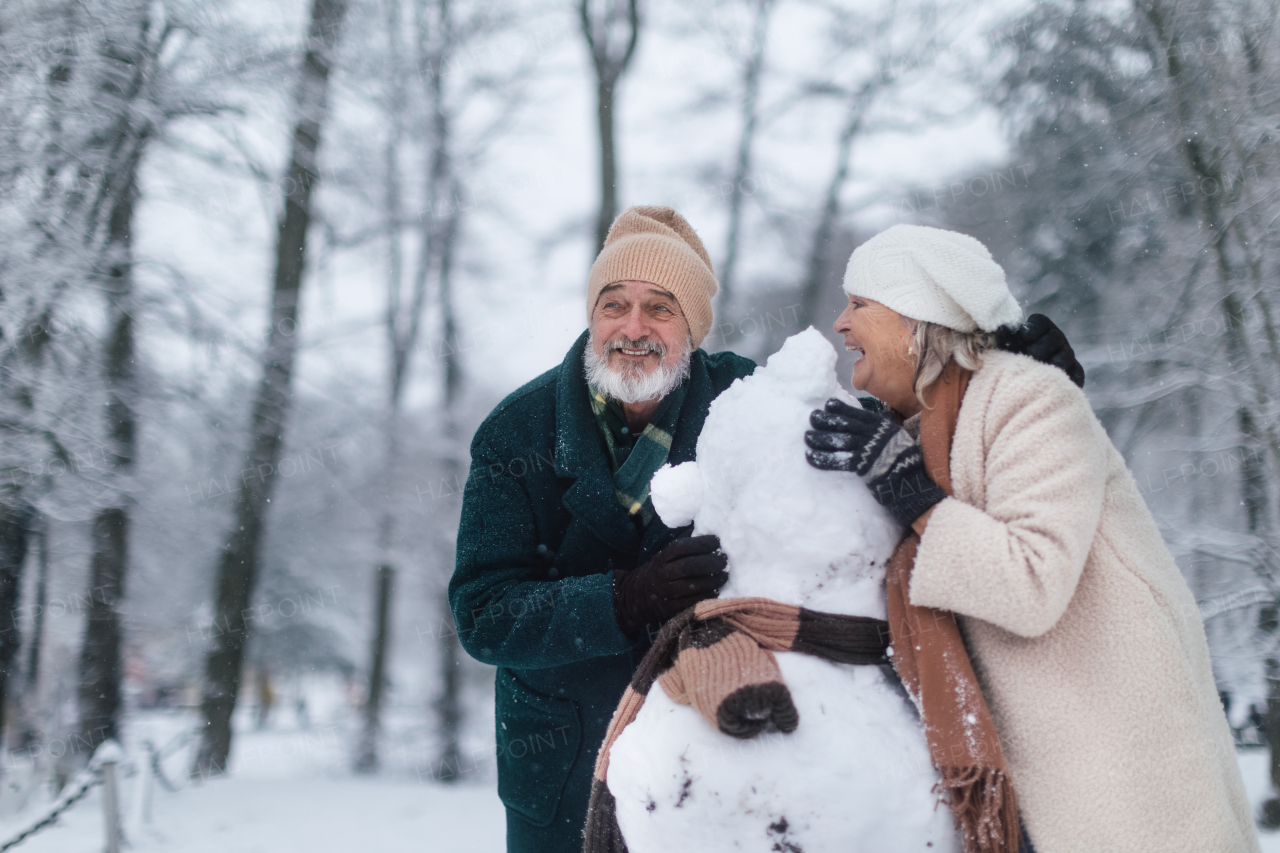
(879,451)
(683,573)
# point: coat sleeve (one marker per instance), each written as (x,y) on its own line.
(1016,562)
(506,613)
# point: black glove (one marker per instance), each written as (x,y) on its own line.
(1043,341)
(877,450)
(679,576)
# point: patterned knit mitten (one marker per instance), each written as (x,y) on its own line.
(879,451)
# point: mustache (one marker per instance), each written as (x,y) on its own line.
(628,383)
(645,344)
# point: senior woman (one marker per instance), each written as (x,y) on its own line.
(1082,635)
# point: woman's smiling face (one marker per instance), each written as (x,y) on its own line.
(888,364)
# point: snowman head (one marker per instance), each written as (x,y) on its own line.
(791,532)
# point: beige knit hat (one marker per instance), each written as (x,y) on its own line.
(933,275)
(656,244)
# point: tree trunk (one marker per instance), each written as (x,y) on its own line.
(238,563)
(401,336)
(608,163)
(15,531)
(31,686)
(100,655)
(742,166)
(23,359)
(100,665)
(444,203)
(1268,623)
(1253,477)
(602,32)
(402,323)
(449,702)
(367,755)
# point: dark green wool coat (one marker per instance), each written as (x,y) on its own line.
(532,592)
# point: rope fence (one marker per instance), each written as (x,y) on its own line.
(157,756)
(107,765)
(82,785)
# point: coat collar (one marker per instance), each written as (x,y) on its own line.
(581,455)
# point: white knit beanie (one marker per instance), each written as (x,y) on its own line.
(933,275)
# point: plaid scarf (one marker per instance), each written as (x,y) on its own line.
(631,476)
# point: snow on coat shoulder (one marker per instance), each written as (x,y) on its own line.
(856,772)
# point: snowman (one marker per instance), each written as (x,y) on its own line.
(854,774)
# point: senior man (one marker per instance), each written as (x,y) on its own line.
(563,569)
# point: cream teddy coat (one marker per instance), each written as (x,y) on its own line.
(1083,633)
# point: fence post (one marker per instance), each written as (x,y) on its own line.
(145,782)
(111,804)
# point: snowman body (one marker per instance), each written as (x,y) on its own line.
(856,774)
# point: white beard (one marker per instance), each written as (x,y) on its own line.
(631,384)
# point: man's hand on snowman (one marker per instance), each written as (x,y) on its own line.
(879,451)
(679,576)
(1041,339)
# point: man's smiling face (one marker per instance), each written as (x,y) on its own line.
(640,346)
(638,327)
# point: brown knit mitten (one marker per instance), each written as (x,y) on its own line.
(733,682)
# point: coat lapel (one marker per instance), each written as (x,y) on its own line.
(580,456)
(580,453)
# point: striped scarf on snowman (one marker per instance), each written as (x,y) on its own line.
(717,656)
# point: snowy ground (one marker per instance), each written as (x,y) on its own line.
(1253,766)
(315,815)
(289,792)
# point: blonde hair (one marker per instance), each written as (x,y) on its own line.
(936,345)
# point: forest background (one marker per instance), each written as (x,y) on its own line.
(264,268)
